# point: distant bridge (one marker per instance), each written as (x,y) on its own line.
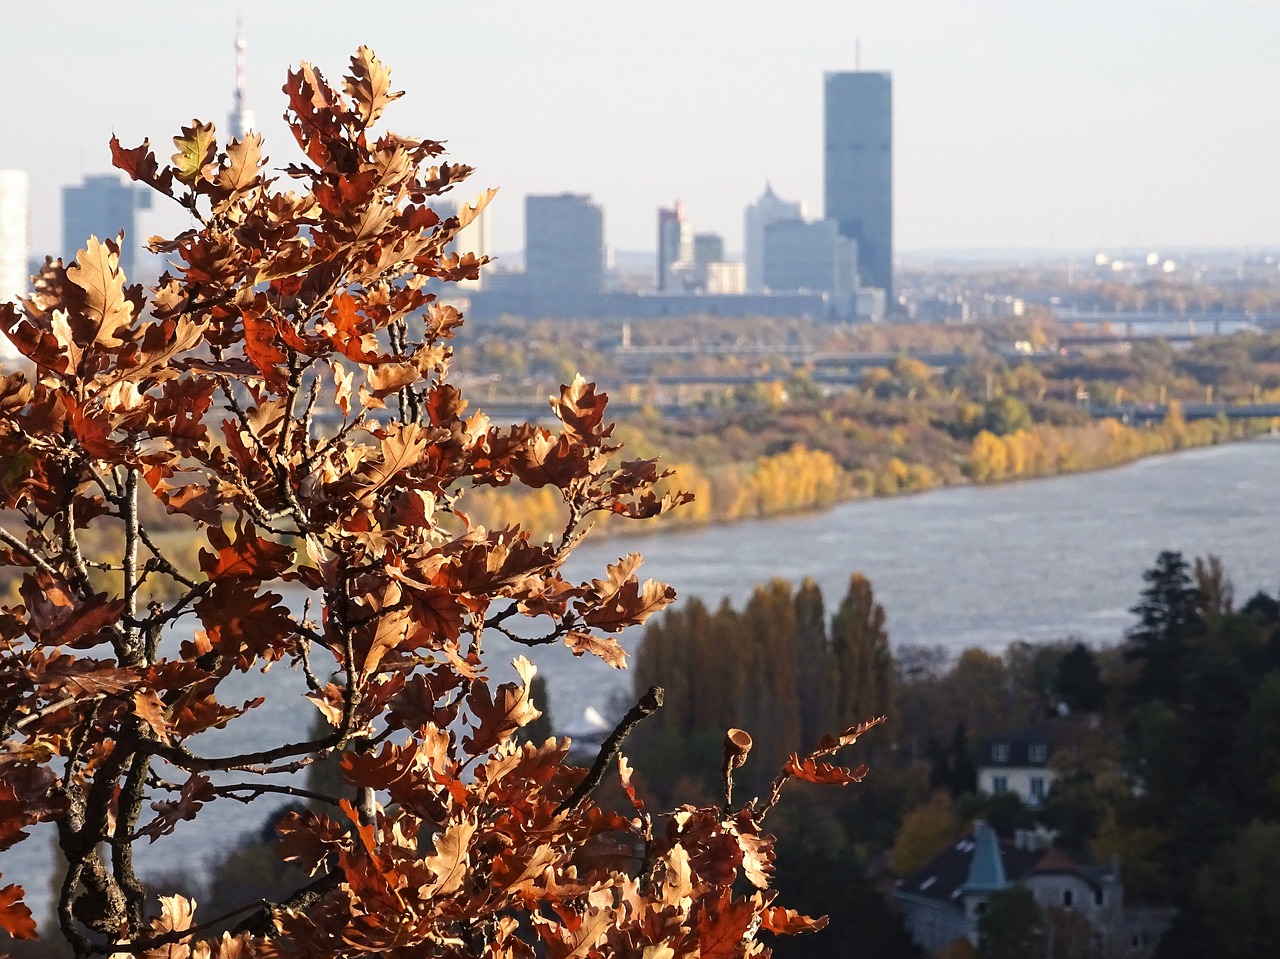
(1190,411)
(1203,323)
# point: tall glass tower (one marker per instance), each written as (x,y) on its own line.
(858,169)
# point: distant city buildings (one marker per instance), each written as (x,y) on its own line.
(858,168)
(767,208)
(809,257)
(564,253)
(14,233)
(102,206)
(675,248)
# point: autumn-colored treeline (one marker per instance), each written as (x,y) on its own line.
(842,453)
(1047,450)
(775,667)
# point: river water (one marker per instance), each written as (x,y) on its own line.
(969,566)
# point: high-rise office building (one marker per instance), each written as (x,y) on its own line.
(241,119)
(809,257)
(102,206)
(14,206)
(563,245)
(858,168)
(768,208)
(675,248)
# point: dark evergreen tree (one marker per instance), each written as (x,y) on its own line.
(1078,681)
(964,774)
(1168,620)
(813,671)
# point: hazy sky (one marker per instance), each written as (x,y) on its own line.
(1018,123)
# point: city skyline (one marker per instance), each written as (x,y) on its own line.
(1083,128)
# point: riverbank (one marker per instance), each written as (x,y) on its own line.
(814,473)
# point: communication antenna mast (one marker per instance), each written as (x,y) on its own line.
(857,53)
(241,118)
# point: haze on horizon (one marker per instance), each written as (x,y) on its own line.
(1076,126)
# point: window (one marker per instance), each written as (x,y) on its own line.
(1036,790)
(999,784)
(1068,898)
(1000,752)
(1100,897)
(1038,752)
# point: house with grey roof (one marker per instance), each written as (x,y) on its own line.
(946,899)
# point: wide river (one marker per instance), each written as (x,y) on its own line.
(968,566)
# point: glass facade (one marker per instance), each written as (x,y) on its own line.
(858,169)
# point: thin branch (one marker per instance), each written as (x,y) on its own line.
(129,504)
(162,563)
(53,708)
(36,559)
(649,704)
(255,790)
(305,654)
(246,762)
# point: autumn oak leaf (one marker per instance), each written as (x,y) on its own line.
(106,308)
(196,149)
(15,916)
(815,772)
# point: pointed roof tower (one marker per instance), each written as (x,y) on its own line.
(240,120)
(986,869)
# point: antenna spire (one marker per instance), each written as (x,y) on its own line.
(240,120)
(857,53)
(240,47)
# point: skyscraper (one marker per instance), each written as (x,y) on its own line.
(13,233)
(768,208)
(563,245)
(675,248)
(241,119)
(858,168)
(102,206)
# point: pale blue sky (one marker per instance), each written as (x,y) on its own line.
(1019,123)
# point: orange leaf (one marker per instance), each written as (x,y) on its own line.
(816,772)
(788,922)
(15,917)
(607,649)
(148,707)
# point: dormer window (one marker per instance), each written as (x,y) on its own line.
(1038,752)
(1000,752)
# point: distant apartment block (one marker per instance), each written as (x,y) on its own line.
(102,206)
(858,168)
(564,247)
(14,232)
(767,208)
(725,278)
